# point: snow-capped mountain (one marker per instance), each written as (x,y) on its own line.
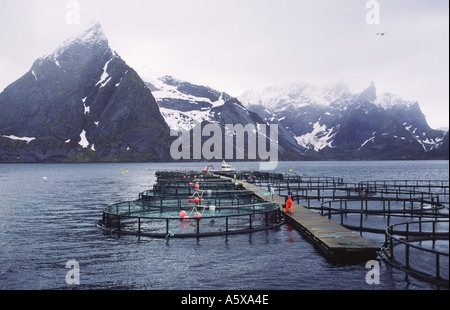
(84,103)
(81,103)
(335,123)
(185,105)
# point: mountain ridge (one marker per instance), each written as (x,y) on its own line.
(83,103)
(335,123)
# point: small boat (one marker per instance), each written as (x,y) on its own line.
(223,167)
(226,167)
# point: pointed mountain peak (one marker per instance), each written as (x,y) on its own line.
(91,40)
(93,36)
(368,94)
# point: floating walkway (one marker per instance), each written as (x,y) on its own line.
(331,238)
(412,215)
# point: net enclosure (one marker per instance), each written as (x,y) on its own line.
(191,204)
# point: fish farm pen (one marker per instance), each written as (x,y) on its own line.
(411,217)
(183,205)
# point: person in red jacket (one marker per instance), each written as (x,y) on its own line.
(289,203)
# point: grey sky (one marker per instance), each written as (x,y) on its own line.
(234,45)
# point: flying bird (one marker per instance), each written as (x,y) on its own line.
(381,33)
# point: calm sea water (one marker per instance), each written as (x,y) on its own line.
(44,224)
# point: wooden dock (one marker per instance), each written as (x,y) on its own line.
(334,240)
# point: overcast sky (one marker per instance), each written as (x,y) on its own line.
(235,45)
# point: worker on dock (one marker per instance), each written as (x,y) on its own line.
(289,203)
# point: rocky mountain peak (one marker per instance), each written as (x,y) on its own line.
(368,94)
(81,103)
(91,42)
(93,36)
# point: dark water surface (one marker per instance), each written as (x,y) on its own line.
(44,224)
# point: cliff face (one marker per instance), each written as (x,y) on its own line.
(82,103)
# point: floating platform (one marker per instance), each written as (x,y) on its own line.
(331,238)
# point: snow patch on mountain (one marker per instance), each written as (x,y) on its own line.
(57,64)
(26,139)
(371,139)
(184,121)
(427,143)
(170,92)
(319,138)
(84,143)
(105,78)
(219,102)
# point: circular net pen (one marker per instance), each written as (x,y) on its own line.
(420,248)
(374,212)
(178,219)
